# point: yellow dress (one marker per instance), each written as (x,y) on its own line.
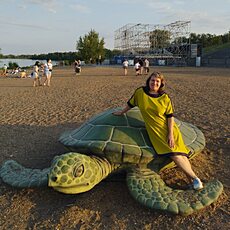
(155,111)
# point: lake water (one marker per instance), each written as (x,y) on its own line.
(21,62)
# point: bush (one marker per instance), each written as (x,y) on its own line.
(13,65)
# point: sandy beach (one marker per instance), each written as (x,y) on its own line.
(33,118)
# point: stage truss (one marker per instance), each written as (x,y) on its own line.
(157,41)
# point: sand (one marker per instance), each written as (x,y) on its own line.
(32,119)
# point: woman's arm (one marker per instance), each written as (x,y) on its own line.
(121,112)
(171,142)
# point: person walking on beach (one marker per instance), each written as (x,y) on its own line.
(125,66)
(4,70)
(157,111)
(48,67)
(141,66)
(41,73)
(77,67)
(146,66)
(34,74)
(137,67)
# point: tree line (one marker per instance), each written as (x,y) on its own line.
(90,47)
(207,40)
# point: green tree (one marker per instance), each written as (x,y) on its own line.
(109,54)
(207,40)
(1,53)
(91,48)
(226,37)
(159,38)
(13,65)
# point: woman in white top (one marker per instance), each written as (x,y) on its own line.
(48,72)
(34,74)
(137,67)
(125,66)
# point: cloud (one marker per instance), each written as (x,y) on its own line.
(160,7)
(202,21)
(22,6)
(50,5)
(80,8)
(25,25)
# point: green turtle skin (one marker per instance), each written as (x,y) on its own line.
(107,143)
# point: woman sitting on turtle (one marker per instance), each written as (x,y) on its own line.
(157,111)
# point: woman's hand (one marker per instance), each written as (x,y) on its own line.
(118,113)
(171,141)
(121,112)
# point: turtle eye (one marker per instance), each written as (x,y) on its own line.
(78,171)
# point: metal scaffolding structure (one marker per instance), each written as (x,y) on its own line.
(158,41)
(133,37)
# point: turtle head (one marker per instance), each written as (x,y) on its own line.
(73,173)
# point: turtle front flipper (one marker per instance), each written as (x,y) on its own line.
(16,175)
(149,189)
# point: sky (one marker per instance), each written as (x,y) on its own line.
(46,26)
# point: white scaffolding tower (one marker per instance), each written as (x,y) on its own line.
(150,40)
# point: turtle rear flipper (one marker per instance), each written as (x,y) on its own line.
(150,190)
(16,175)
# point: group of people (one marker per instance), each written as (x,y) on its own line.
(16,72)
(157,111)
(41,69)
(140,66)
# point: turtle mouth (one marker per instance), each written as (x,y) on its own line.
(75,189)
(73,186)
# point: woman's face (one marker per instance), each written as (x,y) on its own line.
(154,84)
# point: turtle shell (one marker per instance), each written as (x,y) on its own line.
(123,139)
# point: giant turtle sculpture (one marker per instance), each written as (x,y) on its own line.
(107,143)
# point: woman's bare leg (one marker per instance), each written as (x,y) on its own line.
(183,163)
(48,80)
